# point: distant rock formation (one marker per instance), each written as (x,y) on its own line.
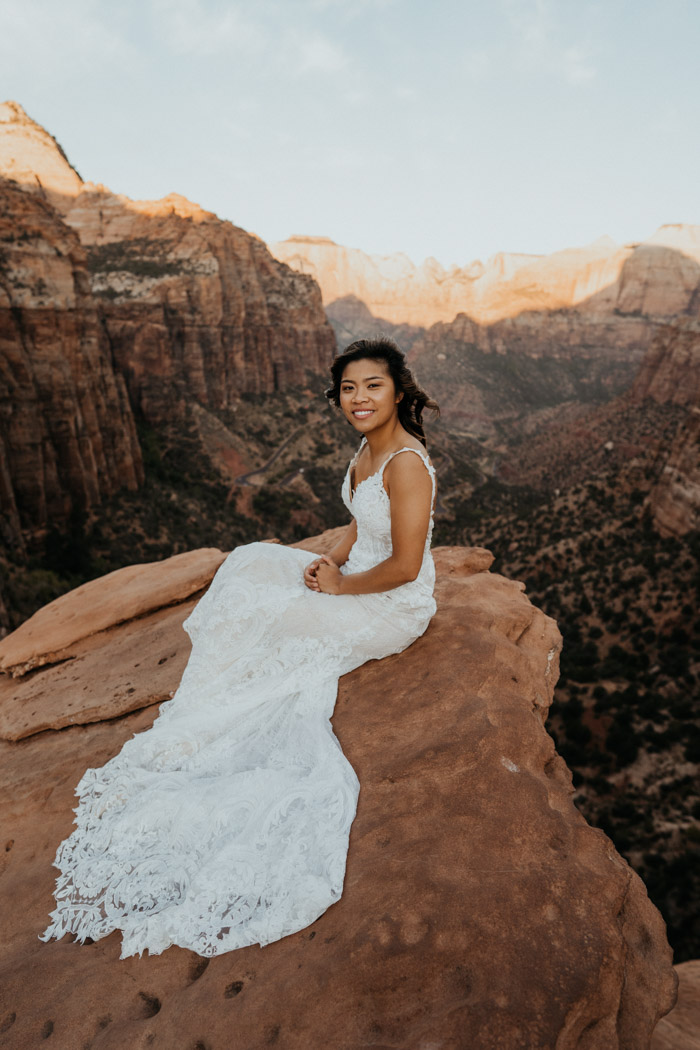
(196,309)
(520,333)
(103,297)
(675,499)
(657,418)
(487,375)
(658,277)
(67,433)
(33,158)
(479,908)
(351,320)
(670,374)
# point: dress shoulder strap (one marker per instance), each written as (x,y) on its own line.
(423,455)
(353,461)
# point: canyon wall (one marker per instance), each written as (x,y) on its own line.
(675,499)
(657,277)
(670,374)
(484,375)
(115,310)
(196,309)
(518,334)
(67,434)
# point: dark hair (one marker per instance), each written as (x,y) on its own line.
(383,348)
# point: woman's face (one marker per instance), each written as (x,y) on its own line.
(367,394)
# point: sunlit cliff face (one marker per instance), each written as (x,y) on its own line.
(656,276)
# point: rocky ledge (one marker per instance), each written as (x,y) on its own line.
(479,909)
(680,1030)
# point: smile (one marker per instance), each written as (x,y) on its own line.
(362,413)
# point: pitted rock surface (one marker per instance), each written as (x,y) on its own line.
(479,908)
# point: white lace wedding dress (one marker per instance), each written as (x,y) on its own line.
(227,822)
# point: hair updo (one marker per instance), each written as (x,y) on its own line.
(414,400)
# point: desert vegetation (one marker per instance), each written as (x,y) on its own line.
(626,714)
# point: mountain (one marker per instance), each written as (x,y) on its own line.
(392,286)
(30,156)
(655,277)
(487,377)
(670,373)
(351,319)
(656,419)
(675,499)
(127,322)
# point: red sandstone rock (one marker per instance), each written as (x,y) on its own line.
(33,158)
(196,308)
(680,1030)
(670,373)
(170,306)
(125,594)
(67,434)
(479,908)
(462,561)
(675,499)
(322,544)
(146,659)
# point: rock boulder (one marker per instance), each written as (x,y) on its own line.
(125,594)
(479,908)
(680,1030)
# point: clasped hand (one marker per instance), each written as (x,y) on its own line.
(323,575)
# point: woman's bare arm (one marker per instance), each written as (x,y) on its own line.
(410,490)
(341,551)
(338,555)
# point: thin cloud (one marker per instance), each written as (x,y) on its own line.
(576,65)
(349,8)
(405,93)
(356,96)
(71,34)
(478,65)
(539,42)
(316,53)
(199,29)
(191,27)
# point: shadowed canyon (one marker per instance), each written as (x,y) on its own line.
(162,401)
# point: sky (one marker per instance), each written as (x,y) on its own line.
(445,128)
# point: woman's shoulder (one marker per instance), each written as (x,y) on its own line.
(399,465)
(412,444)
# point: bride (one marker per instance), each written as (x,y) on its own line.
(227,822)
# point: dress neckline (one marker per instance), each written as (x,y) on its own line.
(404,448)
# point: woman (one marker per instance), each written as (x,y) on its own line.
(227,822)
